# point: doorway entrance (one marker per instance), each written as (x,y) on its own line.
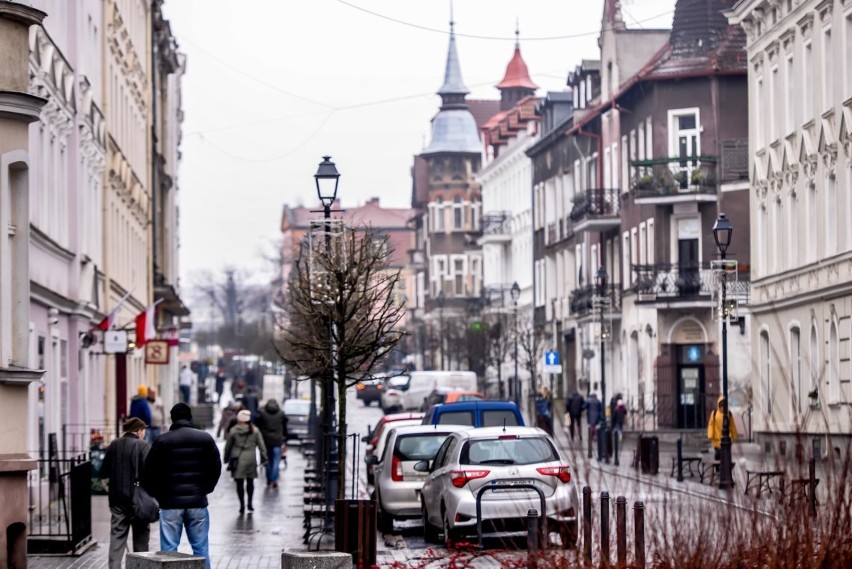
(690,387)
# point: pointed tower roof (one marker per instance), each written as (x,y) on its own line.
(453,82)
(517,75)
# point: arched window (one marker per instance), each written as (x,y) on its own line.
(796,369)
(814,359)
(833,365)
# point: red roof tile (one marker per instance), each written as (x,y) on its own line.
(517,74)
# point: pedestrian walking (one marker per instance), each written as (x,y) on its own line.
(228,419)
(543,417)
(122,465)
(594,413)
(220,386)
(575,406)
(139,406)
(158,415)
(185,380)
(714,427)
(272,424)
(241,457)
(183,467)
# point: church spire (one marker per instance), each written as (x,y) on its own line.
(453,90)
(516,83)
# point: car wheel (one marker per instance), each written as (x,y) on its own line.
(568,535)
(431,533)
(450,535)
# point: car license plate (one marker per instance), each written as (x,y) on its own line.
(507,485)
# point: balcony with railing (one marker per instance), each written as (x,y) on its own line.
(496,227)
(674,180)
(672,282)
(581,300)
(596,209)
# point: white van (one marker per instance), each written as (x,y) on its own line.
(422,383)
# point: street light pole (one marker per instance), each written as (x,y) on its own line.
(327,178)
(722,231)
(516,391)
(441,299)
(602,432)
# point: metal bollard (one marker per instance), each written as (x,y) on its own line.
(587,522)
(605,528)
(679,460)
(812,486)
(639,538)
(532,538)
(615,438)
(621,530)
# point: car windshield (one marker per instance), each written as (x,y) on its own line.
(296,407)
(398,381)
(419,447)
(508,451)
(499,418)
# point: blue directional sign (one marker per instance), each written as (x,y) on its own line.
(552,363)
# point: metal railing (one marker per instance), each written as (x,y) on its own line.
(674,175)
(596,202)
(496,223)
(581,300)
(669,280)
(60,505)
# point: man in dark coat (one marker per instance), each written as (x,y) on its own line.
(575,412)
(272,424)
(123,463)
(183,467)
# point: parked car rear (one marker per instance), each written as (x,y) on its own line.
(397,483)
(297,412)
(370,390)
(475,414)
(449,395)
(378,434)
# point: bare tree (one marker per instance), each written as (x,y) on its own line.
(341,314)
(531,348)
(498,346)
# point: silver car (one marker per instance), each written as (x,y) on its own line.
(397,483)
(504,456)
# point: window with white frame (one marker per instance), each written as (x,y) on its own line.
(812,224)
(614,159)
(439,272)
(475,276)
(814,358)
(765,368)
(650,256)
(607,173)
(458,213)
(807,81)
(643,243)
(831,214)
(796,368)
(625,169)
(774,94)
(439,215)
(847,56)
(640,141)
(788,95)
(649,139)
(833,364)
(458,275)
(625,261)
(761,241)
(773,241)
(827,69)
(792,230)
(758,113)
(685,132)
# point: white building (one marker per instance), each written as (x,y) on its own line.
(800,158)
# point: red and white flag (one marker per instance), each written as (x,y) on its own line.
(146,324)
(106,323)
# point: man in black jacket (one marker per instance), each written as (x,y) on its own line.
(183,467)
(123,463)
(272,423)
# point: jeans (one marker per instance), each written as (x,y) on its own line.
(119,528)
(197,523)
(273,463)
(184,394)
(151,433)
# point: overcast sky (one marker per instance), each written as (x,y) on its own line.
(273,85)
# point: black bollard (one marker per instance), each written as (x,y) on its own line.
(587,522)
(532,538)
(679,460)
(621,530)
(602,450)
(639,538)
(812,486)
(605,529)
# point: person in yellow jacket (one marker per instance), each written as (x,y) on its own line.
(714,426)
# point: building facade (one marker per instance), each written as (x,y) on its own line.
(800,165)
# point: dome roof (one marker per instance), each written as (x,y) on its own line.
(454,130)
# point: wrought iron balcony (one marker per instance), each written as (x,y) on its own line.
(496,223)
(671,281)
(497,296)
(663,180)
(581,299)
(596,209)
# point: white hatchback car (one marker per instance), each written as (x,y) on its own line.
(397,483)
(501,457)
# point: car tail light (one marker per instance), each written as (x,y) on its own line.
(462,477)
(396,469)
(360,387)
(561,472)
(379,386)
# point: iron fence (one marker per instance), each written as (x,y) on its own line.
(596,202)
(581,300)
(686,280)
(496,223)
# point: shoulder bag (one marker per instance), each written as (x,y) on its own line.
(235,460)
(145,507)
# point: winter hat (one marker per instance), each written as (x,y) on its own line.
(133,425)
(181,411)
(142,390)
(244,416)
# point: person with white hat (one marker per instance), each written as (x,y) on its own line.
(241,457)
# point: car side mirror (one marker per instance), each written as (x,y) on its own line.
(371,460)
(422,466)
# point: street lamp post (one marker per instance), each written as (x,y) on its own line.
(327,178)
(516,391)
(722,231)
(442,298)
(601,280)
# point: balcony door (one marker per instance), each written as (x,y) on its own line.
(688,281)
(685,143)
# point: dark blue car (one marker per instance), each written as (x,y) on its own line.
(475,414)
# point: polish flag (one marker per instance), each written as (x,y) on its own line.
(106,323)
(146,324)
